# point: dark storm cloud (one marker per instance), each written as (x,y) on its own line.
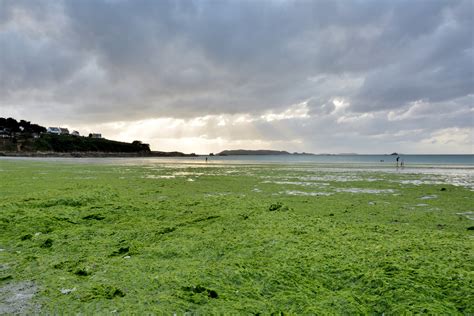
(117,60)
(32,53)
(436,66)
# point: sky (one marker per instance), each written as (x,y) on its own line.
(335,76)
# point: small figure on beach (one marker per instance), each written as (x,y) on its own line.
(206,159)
(398,158)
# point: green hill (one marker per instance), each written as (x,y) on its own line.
(68,143)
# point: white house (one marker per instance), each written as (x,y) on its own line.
(75,133)
(53,130)
(64,131)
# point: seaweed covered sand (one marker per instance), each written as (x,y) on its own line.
(170,238)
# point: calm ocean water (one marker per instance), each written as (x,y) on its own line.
(436,160)
(455,161)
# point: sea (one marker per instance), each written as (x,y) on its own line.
(409,161)
(375,160)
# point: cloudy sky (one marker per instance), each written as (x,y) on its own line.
(202,76)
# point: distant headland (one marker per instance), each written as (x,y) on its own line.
(240,152)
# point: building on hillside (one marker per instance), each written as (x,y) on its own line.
(95,135)
(53,130)
(64,131)
(75,133)
(5,132)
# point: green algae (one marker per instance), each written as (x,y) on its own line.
(141,239)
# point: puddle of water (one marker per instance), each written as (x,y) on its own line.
(186,173)
(153,176)
(360,190)
(216,194)
(429,197)
(314,184)
(464,180)
(288,192)
(468,215)
(334,178)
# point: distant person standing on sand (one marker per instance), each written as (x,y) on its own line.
(398,158)
(206,159)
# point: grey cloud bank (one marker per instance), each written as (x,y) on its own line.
(365,76)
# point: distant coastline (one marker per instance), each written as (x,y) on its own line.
(260,152)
